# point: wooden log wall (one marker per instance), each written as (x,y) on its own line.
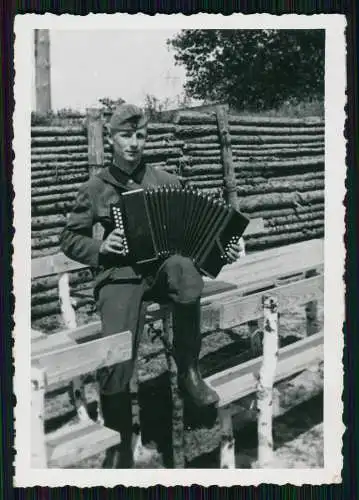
(278,165)
(279,170)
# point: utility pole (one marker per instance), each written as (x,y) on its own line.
(42,71)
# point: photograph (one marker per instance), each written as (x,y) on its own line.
(179,255)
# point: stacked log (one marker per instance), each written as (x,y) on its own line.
(58,167)
(279,169)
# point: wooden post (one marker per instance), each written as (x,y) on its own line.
(77,389)
(227,450)
(95,151)
(230,186)
(38,444)
(95,140)
(266,381)
(42,71)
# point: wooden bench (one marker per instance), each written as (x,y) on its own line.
(54,367)
(293,274)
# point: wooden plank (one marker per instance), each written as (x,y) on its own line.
(53,264)
(238,310)
(50,343)
(246,274)
(59,263)
(65,364)
(77,442)
(237,382)
(229,177)
(239,305)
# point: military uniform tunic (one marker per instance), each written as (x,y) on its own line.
(120,290)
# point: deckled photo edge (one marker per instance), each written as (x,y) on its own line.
(334,262)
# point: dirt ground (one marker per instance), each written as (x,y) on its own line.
(297,430)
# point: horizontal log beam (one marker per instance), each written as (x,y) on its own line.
(155,137)
(59,140)
(45,232)
(163,144)
(53,173)
(261,139)
(37,131)
(270,240)
(44,242)
(253,202)
(199,130)
(161,128)
(37,166)
(47,221)
(287,219)
(278,152)
(53,198)
(68,149)
(55,188)
(194,117)
(58,157)
(60,180)
(57,208)
(160,152)
(281,187)
(280,212)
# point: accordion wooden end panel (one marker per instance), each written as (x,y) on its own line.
(167,220)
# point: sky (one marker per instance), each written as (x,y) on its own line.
(87,65)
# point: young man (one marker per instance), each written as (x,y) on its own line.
(120,290)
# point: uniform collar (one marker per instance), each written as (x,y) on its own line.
(115,176)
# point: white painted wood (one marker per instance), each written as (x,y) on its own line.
(67,311)
(266,381)
(227,449)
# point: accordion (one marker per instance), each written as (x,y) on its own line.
(166,220)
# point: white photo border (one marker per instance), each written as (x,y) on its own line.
(334,251)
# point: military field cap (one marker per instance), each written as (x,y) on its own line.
(127,117)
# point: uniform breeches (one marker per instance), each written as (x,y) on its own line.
(122,307)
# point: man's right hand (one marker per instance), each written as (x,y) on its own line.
(114,243)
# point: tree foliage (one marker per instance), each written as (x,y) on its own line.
(252,69)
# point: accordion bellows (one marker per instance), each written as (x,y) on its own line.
(166,220)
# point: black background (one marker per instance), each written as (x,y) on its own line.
(349,489)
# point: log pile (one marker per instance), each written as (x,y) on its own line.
(58,167)
(279,169)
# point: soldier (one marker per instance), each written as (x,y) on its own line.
(120,291)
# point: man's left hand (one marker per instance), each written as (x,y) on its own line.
(235,251)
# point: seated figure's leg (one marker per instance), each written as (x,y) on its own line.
(120,308)
(179,281)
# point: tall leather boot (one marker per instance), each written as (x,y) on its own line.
(186,349)
(117,415)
